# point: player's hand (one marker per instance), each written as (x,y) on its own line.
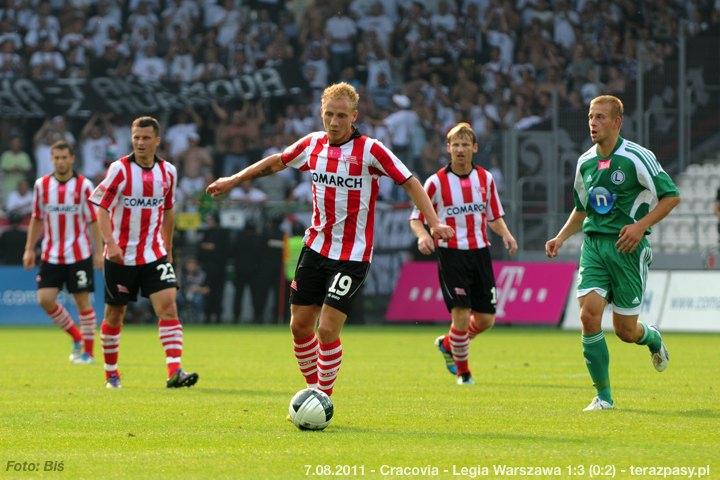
(114,253)
(426,245)
(169,256)
(442,231)
(220,186)
(510,244)
(630,237)
(98,261)
(28,259)
(552,247)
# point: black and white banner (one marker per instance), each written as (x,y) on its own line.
(80,97)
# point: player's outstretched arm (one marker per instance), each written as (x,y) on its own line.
(426,244)
(571,227)
(266,166)
(421,200)
(500,227)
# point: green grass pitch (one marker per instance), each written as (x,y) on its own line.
(395,406)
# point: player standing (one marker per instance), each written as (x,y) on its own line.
(136,218)
(465,197)
(345,167)
(620,191)
(61,214)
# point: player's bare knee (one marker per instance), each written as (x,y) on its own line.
(591,320)
(483,322)
(167,311)
(300,330)
(327,333)
(114,315)
(626,334)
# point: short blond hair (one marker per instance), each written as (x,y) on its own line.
(340,90)
(462,129)
(616,105)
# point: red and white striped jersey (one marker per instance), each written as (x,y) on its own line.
(137,198)
(465,203)
(345,183)
(65,211)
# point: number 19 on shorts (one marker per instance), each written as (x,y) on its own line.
(341,285)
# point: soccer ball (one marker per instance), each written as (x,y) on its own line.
(310,409)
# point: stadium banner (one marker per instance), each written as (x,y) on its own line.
(650,309)
(80,97)
(528,293)
(18,298)
(692,302)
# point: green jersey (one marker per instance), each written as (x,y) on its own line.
(620,189)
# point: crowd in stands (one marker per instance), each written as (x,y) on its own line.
(420,67)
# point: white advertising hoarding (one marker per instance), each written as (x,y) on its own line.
(692,302)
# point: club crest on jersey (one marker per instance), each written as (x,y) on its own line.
(617,177)
(480,190)
(601,200)
(351,159)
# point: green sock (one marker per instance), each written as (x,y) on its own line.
(651,338)
(597,360)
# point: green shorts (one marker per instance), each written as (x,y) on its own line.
(618,277)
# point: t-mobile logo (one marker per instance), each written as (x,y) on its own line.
(509,289)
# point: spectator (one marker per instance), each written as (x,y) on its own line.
(95,144)
(19,201)
(12,242)
(212,255)
(15,165)
(187,123)
(340,31)
(46,63)
(193,290)
(149,66)
(717,209)
(229,141)
(11,64)
(402,124)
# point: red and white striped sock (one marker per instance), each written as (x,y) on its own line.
(87,328)
(62,319)
(459,346)
(306,353)
(473,330)
(110,338)
(171,337)
(328,364)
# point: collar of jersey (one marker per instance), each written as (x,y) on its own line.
(355,134)
(620,140)
(449,169)
(156,159)
(65,181)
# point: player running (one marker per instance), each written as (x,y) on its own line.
(620,191)
(62,215)
(465,197)
(136,218)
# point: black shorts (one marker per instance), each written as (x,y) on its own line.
(122,282)
(78,276)
(319,280)
(467,279)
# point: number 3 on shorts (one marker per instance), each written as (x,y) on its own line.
(82,279)
(168,273)
(341,284)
